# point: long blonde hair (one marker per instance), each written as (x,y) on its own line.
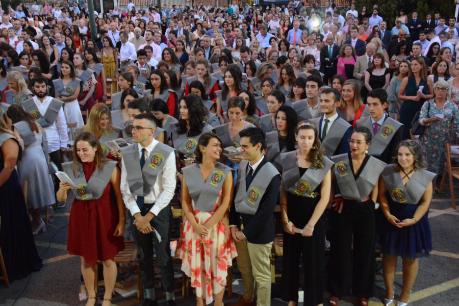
(16,76)
(357,101)
(93,124)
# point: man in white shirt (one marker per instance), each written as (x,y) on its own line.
(127,51)
(375,19)
(149,42)
(56,132)
(263,37)
(353,11)
(6,24)
(25,37)
(147,198)
(113,33)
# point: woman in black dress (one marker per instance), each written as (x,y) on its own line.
(306,184)
(16,239)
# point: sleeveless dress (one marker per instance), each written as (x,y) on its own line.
(92,224)
(33,169)
(16,240)
(109,62)
(206,261)
(71,109)
(409,108)
(309,251)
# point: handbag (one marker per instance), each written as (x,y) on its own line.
(417,129)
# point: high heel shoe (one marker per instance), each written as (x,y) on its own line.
(389,302)
(402,303)
(40,228)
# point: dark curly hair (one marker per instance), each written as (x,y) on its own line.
(415,148)
(197,115)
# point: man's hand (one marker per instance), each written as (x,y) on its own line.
(142,224)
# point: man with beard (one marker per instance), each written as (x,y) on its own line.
(48,112)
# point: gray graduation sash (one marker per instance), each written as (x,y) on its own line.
(26,133)
(117,119)
(139,87)
(265,123)
(412,192)
(17,98)
(147,93)
(215,67)
(256,83)
(272,144)
(116,100)
(108,137)
(208,104)
(85,75)
(94,188)
(223,103)
(9,96)
(141,181)
(205,193)
(223,133)
(334,135)
(4,137)
(169,126)
(217,75)
(248,200)
(360,189)
(65,90)
(305,185)
(213,120)
(384,136)
(98,69)
(50,115)
(164,95)
(261,104)
(301,107)
(187,145)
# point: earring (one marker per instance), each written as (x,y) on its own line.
(366,151)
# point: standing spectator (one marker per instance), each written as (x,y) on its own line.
(377,76)
(364,62)
(375,19)
(403,70)
(355,42)
(441,118)
(109,60)
(415,26)
(414,90)
(454,85)
(328,59)
(346,62)
(294,35)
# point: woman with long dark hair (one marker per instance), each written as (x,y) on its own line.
(159,90)
(86,99)
(251,112)
(96,225)
(109,56)
(305,193)
(95,65)
(232,86)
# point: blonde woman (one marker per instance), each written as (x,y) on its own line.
(18,91)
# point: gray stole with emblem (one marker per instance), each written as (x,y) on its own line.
(248,200)
(256,83)
(4,137)
(384,136)
(141,181)
(261,104)
(223,103)
(360,189)
(334,135)
(164,95)
(305,185)
(205,194)
(266,123)
(26,133)
(272,144)
(17,98)
(65,90)
(301,107)
(223,133)
(85,75)
(98,69)
(117,119)
(212,119)
(187,145)
(94,188)
(412,192)
(50,115)
(169,126)
(116,100)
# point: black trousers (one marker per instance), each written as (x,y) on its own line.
(310,252)
(149,243)
(56,158)
(352,260)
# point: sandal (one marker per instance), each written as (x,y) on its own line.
(363,302)
(334,301)
(91,298)
(107,300)
(389,302)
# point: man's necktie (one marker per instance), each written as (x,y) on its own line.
(141,199)
(325,128)
(330,52)
(294,37)
(248,177)
(370,61)
(375,128)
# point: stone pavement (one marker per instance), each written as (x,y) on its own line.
(57,284)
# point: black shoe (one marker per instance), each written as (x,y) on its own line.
(171,303)
(148,302)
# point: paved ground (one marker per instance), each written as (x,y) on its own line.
(58,282)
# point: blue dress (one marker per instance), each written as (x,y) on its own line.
(409,107)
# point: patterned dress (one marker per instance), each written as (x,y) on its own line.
(206,261)
(109,62)
(438,134)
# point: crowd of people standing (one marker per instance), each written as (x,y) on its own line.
(328,122)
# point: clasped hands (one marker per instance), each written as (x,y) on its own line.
(237,234)
(291,229)
(142,223)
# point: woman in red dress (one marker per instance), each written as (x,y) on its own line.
(96,223)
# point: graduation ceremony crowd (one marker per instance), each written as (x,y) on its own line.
(325,128)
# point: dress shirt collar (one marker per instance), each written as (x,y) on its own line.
(46,100)
(255,166)
(330,119)
(149,148)
(380,121)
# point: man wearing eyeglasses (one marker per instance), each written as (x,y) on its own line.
(148,179)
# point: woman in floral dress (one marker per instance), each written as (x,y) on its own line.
(441,119)
(109,56)
(206,247)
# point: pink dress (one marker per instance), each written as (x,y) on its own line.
(206,261)
(342,61)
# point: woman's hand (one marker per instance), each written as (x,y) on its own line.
(201,230)
(119,230)
(307,231)
(407,222)
(64,186)
(289,228)
(393,220)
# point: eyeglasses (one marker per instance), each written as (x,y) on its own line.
(357,142)
(138,127)
(442,88)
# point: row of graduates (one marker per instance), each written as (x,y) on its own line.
(253,228)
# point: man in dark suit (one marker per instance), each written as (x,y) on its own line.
(334,131)
(356,43)
(387,132)
(182,32)
(205,45)
(252,219)
(415,26)
(428,24)
(329,58)
(385,35)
